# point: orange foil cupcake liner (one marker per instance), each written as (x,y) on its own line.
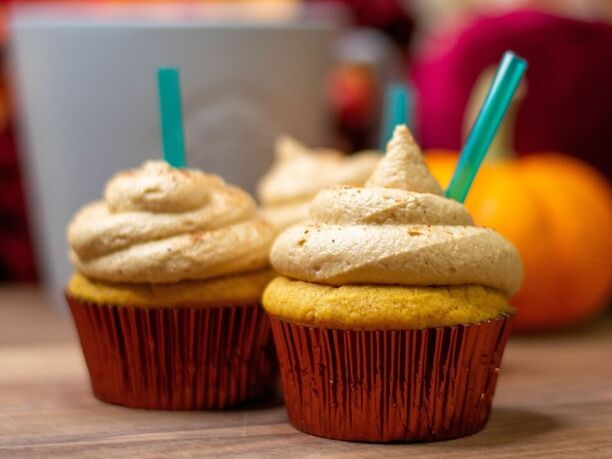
(176,358)
(390,385)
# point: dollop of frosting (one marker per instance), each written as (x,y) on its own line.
(161,224)
(299,173)
(397,229)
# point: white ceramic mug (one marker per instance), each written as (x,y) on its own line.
(88,103)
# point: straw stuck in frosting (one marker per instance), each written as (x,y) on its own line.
(398,229)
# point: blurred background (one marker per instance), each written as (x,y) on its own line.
(78,102)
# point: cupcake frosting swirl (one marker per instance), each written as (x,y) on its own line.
(299,173)
(398,229)
(161,224)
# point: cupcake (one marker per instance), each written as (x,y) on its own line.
(390,316)
(299,173)
(170,268)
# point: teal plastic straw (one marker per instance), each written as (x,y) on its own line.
(505,84)
(171,116)
(397,110)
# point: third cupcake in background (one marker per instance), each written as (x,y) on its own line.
(299,173)
(391,316)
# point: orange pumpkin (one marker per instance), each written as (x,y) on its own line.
(558,213)
(556,209)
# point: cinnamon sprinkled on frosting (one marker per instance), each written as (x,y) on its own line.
(160,224)
(398,229)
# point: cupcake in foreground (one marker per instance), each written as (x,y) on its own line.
(390,318)
(171,265)
(299,173)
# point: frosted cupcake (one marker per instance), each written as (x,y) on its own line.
(171,265)
(390,317)
(299,173)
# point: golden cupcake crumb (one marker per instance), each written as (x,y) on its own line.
(232,290)
(381,307)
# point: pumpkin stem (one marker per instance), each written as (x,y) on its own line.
(502,147)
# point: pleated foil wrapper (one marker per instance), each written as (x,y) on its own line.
(176,358)
(390,385)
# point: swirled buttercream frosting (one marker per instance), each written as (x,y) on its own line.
(161,224)
(299,173)
(398,229)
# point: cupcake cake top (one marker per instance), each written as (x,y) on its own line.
(299,173)
(398,229)
(160,224)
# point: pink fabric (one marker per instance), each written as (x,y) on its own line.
(568,107)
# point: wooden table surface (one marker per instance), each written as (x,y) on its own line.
(554,399)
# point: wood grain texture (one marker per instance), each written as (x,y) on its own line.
(554,399)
